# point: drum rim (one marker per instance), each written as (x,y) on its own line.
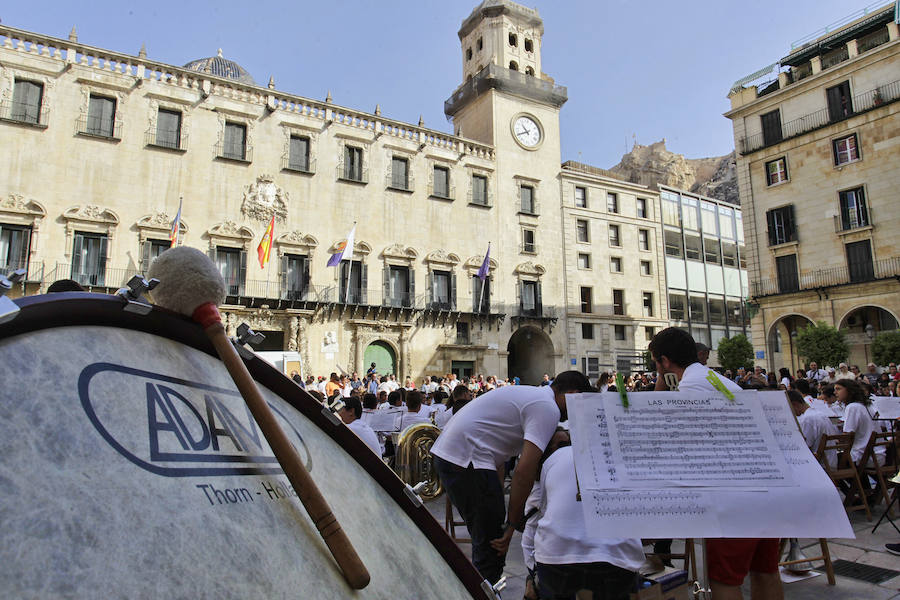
(49,311)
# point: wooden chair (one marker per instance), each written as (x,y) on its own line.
(690,560)
(450,524)
(869,465)
(825,556)
(845,471)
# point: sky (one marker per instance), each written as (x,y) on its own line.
(635,71)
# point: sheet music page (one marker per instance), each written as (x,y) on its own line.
(384,420)
(887,407)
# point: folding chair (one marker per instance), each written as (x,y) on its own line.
(845,471)
(825,556)
(450,524)
(869,466)
(690,560)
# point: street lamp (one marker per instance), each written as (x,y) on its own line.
(870,333)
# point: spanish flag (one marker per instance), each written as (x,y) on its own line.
(265,244)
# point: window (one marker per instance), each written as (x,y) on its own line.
(26,104)
(840,104)
(845,150)
(441,187)
(168,129)
(615,264)
(581,231)
(399,173)
(479,190)
(614,238)
(649,332)
(513,65)
(353,284)
(232,264)
(648,304)
(152,249)
(587,304)
(689,216)
(443,290)
(619,332)
(646,268)
(786,271)
(462,333)
(673,244)
(642,211)
(692,248)
(526,199)
(89,259)
(295,274)
(584,260)
(468,54)
(708,218)
(590,366)
(776,171)
(781,225)
(717,311)
(528,244)
(854,212)
(711,251)
(513,40)
(859,261)
(580,197)
(587,331)
(729,254)
(726,222)
(733,312)
(618,302)
(530,300)
(670,209)
(771,127)
(529,45)
(298,153)
(353,163)
(101,119)
(676,307)
(14,247)
(698,309)
(398,286)
(742,256)
(235,146)
(481,295)
(644,239)
(612,202)
(479,44)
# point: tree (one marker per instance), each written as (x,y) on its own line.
(886,347)
(735,352)
(823,344)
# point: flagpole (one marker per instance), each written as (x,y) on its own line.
(486,275)
(350,269)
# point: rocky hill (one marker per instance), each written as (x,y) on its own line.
(654,165)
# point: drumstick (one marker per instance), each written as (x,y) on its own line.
(191,284)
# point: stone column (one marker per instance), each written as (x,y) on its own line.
(893,31)
(293,329)
(303,343)
(405,366)
(816,63)
(357,350)
(852,49)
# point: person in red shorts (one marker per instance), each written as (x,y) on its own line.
(729,560)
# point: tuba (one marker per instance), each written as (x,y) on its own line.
(413,462)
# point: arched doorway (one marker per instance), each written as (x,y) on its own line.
(781,342)
(860,326)
(530,355)
(383,356)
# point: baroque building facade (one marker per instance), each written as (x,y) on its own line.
(816,136)
(104,147)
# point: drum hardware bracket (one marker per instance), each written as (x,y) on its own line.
(244,336)
(410,492)
(493,591)
(335,420)
(132,295)
(8,308)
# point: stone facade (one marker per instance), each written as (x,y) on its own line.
(817,170)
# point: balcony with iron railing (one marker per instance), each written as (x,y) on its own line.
(887,268)
(34,270)
(298,164)
(96,127)
(517,83)
(853,219)
(236,152)
(25,114)
(860,103)
(170,140)
(344,173)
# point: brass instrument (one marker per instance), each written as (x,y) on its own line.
(413,462)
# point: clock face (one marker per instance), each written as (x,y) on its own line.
(527,131)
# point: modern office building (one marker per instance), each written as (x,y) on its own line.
(817,136)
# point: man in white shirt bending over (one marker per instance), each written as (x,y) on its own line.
(472,448)
(813,425)
(350,414)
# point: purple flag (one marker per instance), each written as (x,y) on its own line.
(344,250)
(486,264)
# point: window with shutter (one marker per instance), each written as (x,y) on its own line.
(27,97)
(771,127)
(14,247)
(854,212)
(786,271)
(168,129)
(840,104)
(235,141)
(89,259)
(298,153)
(441,182)
(859,261)
(101,118)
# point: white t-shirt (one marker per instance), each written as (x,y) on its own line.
(786,383)
(414,418)
(694,380)
(813,425)
(858,420)
(494,426)
(441,418)
(366,434)
(533,501)
(561,536)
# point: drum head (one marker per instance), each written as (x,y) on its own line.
(131,468)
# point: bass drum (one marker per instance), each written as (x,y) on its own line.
(413,461)
(131,468)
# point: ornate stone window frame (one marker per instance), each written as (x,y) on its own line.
(108,91)
(471,172)
(16,210)
(392,151)
(288,129)
(295,242)
(444,163)
(240,118)
(361,251)
(440,260)
(156,226)
(399,255)
(176,105)
(8,76)
(344,140)
(231,235)
(92,219)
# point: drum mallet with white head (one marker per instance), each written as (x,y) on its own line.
(189,283)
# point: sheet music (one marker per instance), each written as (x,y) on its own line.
(778,511)
(383,420)
(887,407)
(701,441)
(822,407)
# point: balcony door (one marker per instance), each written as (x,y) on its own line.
(859,261)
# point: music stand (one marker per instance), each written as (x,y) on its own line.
(886,512)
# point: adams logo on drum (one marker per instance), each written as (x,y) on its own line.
(178,428)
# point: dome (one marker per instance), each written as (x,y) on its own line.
(221,67)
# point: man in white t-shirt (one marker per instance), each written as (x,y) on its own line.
(350,414)
(479,439)
(415,412)
(813,425)
(567,557)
